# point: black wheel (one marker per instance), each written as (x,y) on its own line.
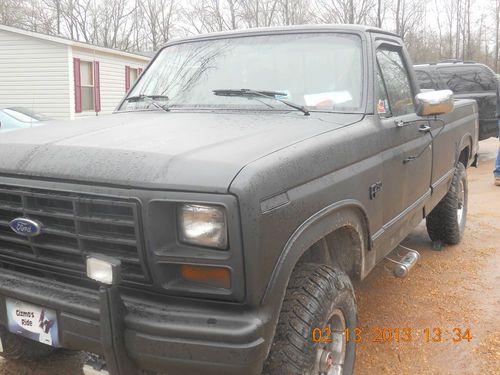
(446,222)
(317,297)
(16,347)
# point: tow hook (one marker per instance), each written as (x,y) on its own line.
(405,262)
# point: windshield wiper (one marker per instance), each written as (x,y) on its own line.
(151,99)
(265,94)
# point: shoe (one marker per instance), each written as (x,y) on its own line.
(497,181)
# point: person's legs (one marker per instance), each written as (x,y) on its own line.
(496,172)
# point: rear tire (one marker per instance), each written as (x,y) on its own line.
(318,296)
(16,347)
(446,222)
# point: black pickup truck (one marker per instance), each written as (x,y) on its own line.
(214,223)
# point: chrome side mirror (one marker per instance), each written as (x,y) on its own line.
(434,102)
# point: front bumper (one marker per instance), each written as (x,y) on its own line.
(168,335)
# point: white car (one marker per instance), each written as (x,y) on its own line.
(13,118)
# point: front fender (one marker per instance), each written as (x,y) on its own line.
(341,214)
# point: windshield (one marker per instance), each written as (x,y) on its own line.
(25,115)
(320,71)
(28,114)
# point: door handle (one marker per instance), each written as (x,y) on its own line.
(424,129)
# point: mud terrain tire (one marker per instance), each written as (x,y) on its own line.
(446,222)
(314,293)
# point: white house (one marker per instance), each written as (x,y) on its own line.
(63,78)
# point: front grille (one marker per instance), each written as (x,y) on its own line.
(73,226)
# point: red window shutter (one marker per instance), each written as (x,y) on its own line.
(127,78)
(97,87)
(78,85)
(139,71)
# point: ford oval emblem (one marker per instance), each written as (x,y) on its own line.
(25,227)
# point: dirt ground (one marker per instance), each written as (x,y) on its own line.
(456,288)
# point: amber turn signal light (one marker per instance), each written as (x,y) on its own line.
(219,277)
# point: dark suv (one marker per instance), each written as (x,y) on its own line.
(467,80)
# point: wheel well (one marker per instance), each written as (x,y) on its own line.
(342,248)
(464,157)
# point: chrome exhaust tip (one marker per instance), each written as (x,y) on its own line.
(406,264)
(401,267)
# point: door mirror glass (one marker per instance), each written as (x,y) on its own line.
(434,102)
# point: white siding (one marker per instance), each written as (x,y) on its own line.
(34,74)
(112,73)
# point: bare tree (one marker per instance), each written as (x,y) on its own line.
(294,12)
(212,15)
(455,28)
(54,6)
(11,12)
(114,18)
(440,30)
(258,13)
(408,14)
(379,13)
(344,11)
(158,20)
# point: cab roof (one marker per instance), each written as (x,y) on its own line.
(284,29)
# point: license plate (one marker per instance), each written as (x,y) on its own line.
(34,322)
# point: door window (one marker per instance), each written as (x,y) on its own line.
(466,79)
(382,99)
(397,83)
(424,80)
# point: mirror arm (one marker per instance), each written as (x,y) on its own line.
(401,123)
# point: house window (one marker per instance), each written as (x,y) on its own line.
(87,83)
(87,78)
(131,75)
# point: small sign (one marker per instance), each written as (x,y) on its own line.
(34,322)
(381,106)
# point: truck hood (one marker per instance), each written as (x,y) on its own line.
(156,150)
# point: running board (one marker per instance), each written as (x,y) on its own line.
(402,266)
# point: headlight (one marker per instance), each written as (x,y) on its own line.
(202,225)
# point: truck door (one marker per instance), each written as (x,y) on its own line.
(406,144)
